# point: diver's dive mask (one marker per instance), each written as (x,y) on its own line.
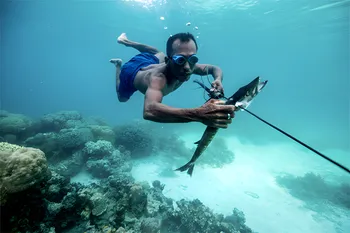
(181,59)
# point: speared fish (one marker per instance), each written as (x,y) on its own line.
(241,99)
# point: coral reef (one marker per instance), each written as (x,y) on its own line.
(15,127)
(118,203)
(135,137)
(193,216)
(54,122)
(217,154)
(21,168)
(41,197)
(313,189)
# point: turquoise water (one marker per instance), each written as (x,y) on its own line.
(54,57)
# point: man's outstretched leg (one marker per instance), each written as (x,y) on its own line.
(118,66)
(142,48)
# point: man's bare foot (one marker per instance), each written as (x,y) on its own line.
(122,39)
(117,62)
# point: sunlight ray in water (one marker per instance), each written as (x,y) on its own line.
(345,3)
(147,3)
(198,5)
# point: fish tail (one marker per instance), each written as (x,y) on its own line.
(190,169)
(188,166)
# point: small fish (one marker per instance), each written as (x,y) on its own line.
(241,99)
(253,195)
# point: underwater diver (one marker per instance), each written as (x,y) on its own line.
(156,75)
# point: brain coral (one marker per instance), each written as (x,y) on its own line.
(20,168)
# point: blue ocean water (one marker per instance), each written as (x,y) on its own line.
(54,57)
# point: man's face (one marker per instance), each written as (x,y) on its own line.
(183,65)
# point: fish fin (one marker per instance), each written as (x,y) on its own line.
(190,169)
(188,166)
(197,142)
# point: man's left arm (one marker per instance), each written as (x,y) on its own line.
(204,69)
(215,71)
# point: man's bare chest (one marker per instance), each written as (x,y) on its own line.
(169,88)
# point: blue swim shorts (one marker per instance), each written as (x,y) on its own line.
(129,70)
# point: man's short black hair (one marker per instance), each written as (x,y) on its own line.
(183,37)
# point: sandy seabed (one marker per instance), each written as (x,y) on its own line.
(249,185)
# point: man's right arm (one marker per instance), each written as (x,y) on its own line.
(154,110)
(211,113)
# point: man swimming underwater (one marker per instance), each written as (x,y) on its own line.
(156,75)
